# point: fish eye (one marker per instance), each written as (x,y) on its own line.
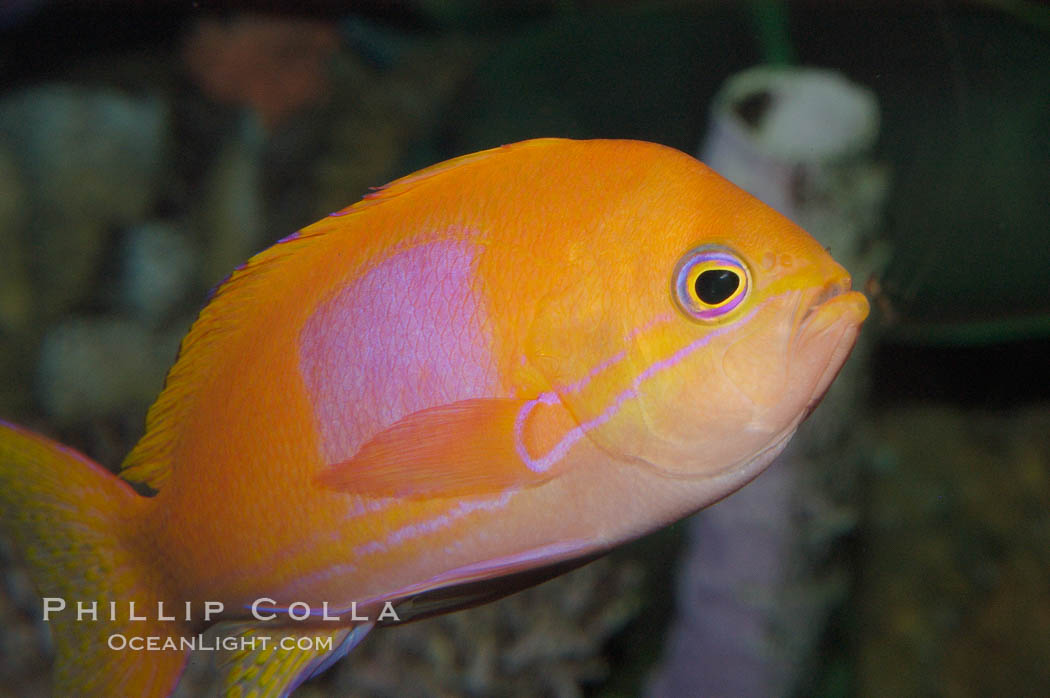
(715,286)
(709,282)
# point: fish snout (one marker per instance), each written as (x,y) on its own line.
(834,303)
(838,285)
(826,335)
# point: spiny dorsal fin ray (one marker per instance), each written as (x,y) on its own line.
(235,304)
(231,304)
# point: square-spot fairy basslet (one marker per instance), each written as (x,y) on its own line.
(502,364)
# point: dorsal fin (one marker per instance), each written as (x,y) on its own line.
(234,303)
(149,462)
(403,184)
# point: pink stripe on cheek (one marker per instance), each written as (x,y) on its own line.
(559,450)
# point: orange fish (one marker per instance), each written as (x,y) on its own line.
(477,377)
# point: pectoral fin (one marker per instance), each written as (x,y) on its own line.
(509,578)
(473,447)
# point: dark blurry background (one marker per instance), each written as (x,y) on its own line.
(146,152)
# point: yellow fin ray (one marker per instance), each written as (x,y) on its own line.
(272,662)
(70,519)
(236,304)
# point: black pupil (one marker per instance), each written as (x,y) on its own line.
(715,285)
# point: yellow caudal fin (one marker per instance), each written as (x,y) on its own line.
(273,662)
(73,523)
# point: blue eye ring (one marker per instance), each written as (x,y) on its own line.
(709,282)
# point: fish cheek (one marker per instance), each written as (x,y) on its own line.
(721,403)
(575,348)
(757,361)
(694,419)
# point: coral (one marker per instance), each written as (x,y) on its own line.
(545,641)
(274,65)
(90,159)
(954,597)
(158,268)
(14,283)
(761,573)
(94,367)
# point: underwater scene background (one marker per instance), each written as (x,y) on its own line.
(144,153)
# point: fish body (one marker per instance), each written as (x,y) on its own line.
(510,361)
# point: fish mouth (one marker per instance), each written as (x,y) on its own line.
(832,303)
(827,332)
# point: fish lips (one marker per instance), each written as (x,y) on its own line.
(827,334)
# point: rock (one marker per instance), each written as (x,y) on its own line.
(99,367)
(544,641)
(159,264)
(15,294)
(91,159)
(232,213)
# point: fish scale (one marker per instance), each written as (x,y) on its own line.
(479,376)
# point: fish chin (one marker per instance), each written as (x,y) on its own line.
(825,340)
(757,416)
(700,488)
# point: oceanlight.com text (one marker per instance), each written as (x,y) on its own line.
(229,643)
